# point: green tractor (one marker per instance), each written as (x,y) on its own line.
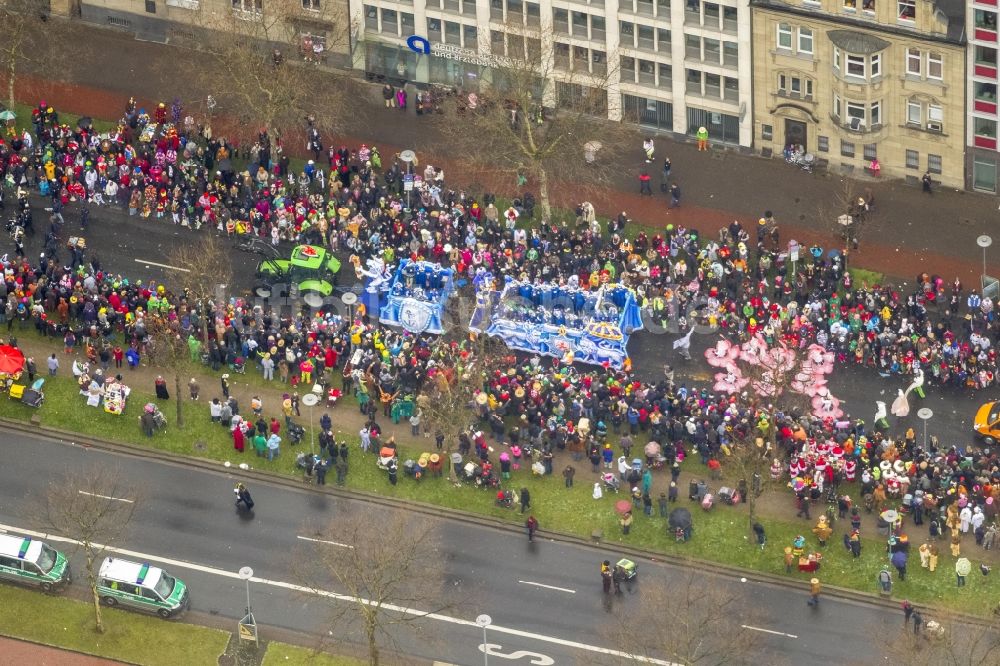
(309,273)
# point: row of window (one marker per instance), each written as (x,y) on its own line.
(928,115)
(645,37)
(514,11)
(800,40)
(906,10)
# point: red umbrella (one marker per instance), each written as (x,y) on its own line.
(623,506)
(11,360)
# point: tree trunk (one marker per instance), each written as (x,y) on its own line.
(92,581)
(180,402)
(10,84)
(543,194)
(370,630)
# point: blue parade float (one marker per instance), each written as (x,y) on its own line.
(569,323)
(416,297)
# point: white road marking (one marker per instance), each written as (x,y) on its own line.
(117,499)
(535,658)
(768,631)
(332,543)
(167,266)
(403,610)
(547,587)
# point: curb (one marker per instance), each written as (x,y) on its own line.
(704,566)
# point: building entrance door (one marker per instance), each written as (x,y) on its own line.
(795,134)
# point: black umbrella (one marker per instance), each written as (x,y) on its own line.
(680,518)
(85,123)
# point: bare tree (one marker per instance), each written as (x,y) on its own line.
(207,272)
(447,398)
(26,38)
(692,621)
(247,66)
(166,348)
(387,571)
(540,116)
(850,213)
(93,507)
(943,640)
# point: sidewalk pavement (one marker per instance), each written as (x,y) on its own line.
(916,232)
(14,652)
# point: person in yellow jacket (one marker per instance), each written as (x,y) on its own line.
(814,591)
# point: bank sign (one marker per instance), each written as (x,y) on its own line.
(423,46)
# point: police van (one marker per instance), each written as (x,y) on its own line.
(142,587)
(32,562)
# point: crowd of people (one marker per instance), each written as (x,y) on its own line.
(170,170)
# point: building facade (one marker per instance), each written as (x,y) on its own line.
(318,29)
(854,80)
(673,65)
(981,94)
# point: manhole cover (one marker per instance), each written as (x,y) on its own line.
(200,445)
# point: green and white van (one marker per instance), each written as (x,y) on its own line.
(141,587)
(32,562)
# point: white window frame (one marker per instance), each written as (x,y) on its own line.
(836,58)
(856,58)
(784,30)
(875,65)
(248,8)
(875,113)
(311,5)
(900,5)
(935,61)
(935,113)
(796,86)
(809,88)
(836,105)
(860,112)
(914,109)
(805,40)
(782,83)
(914,62)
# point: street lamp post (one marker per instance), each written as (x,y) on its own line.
(484,621)
(310,400)
(925,414)
(247,626)
(410,158)
(984,242)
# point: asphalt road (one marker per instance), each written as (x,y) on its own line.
(544,598)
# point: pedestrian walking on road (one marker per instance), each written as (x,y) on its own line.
(918,620)
(814,591)
(532,526)
(606,576)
